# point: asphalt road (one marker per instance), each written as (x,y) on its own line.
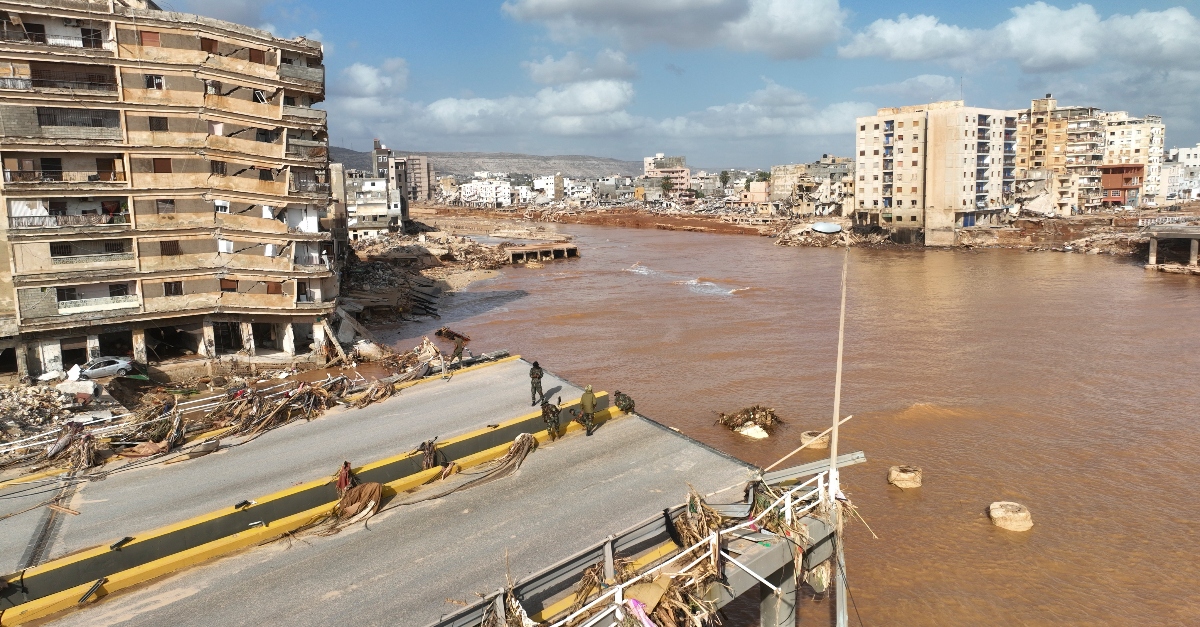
(407,565)
(146,498)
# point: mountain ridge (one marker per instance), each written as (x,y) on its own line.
(461,164)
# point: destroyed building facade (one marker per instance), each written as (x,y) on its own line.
(673,169)
(165,183)
(934,167)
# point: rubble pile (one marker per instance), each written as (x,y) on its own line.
(29,410)
(804,235)
(754,415)
(1121,244)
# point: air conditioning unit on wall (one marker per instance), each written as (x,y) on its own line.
(70,22)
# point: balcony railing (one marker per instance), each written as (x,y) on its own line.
(81,81)
(308,187)
(49,39)
(309,259)
(62,176)
(82,305)
(306,149)
(314,74)
(51,222)
(100,258)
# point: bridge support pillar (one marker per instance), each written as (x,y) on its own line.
(1194,253)
(1153,251)
(778,609)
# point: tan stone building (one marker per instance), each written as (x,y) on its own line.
(1130,140)
(165,184)
(675,169)
(934,167)
(1064,145)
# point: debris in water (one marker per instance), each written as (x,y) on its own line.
(905,476)
(755,415)
(817,440)
(1010,516)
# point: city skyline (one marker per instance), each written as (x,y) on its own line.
(729,82)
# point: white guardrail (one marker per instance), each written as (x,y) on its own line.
(710,549)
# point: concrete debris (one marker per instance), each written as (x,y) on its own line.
(29,410)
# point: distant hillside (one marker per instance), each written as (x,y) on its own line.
(465,163)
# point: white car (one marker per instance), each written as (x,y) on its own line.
(106,367)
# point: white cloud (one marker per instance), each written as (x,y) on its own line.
(573,67)
(914,38)
(1039,38)
(778,28)
(362,80)
(772,111)
(922,88)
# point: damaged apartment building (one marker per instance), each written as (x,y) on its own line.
(166,188)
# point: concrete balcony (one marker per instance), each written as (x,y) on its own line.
(316,116)
(247,107)
(197,180)
(159,97)
(309,259)
(86,45)
(65,81)
(102,222)
(216,261)
(307,149)
(106,303)
(307,74)
(212,300)
(245,146)
(63,180)
(241,66)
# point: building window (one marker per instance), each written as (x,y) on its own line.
(114,247)
(289,101)
(877,127)
(61,249)
(863,127)
(208,45)
(265,175)
(218,168)
(257,56)
(228,285)
(159,124)
(221,206)
(164,206)
(173,288)
(66,293)
(913,218)
(274,287)
(162,166)
(862,153)
(914,190)
(914,164)
(265,136)
(150,38)
(225,246)
(169,248)
(118,289)
(153,81)
(876,151)
(260,96)
(92,37)
(212,88)
(302,292)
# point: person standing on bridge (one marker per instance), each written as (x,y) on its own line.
(535,384)
(459,344)
(587,408)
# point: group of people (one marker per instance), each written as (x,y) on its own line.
(550,412)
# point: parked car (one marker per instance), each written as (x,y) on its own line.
(106,367)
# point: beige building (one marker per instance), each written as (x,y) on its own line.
(1063,146)
(786,180)
(673,168)
(1130,140)
(934,167)
(165,185)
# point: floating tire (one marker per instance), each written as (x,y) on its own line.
(817,440)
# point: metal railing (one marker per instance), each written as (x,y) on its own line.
(63,176)
(791,504)
(54,221)
(48,39)
(96,258)
(80,303)
(45,79)
(308,187)
(309,259)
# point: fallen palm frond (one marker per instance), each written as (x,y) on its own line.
(697,521)
(754,415)
(377,391)
(593,582)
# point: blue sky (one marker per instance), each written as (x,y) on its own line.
(729,83)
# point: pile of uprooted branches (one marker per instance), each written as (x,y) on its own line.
(764,417)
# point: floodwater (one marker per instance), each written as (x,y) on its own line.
(1065,382)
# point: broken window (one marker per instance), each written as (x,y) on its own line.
(166,205)
(150,38)
(265,175)
(221,206)
(229,285)
(162,166)
(212,88)
(260,96)
(159,124)
(92,37)
(173,288)
(169,248)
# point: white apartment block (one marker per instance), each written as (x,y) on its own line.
(934,167)
(1137,140)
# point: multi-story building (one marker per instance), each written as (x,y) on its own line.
(368,210)
(1055,140)
(420,178)
(1181,173)
(934,167)
(1132,140)
(165,186)
(672,168)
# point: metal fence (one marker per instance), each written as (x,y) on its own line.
(62,176)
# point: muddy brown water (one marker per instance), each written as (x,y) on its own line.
(1065,382)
